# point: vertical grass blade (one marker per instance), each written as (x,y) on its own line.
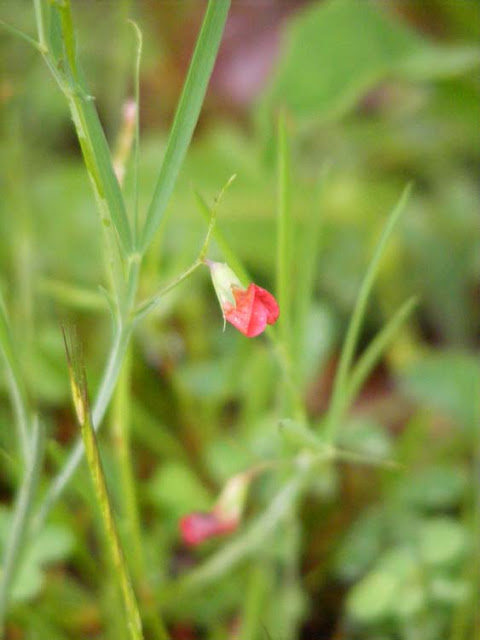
(187,114)
(284,234)
(353,332)
(305,259)
(80,397)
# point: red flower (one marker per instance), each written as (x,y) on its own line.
(224,517)
(254,308)
(198,527)
(249,310)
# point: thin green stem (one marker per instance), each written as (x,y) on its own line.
(305,262)
(40,20)
(19,525)
(136,141)
(284,233)
(72,296)
(20,34)
(147,306)
(120,431)
(257,590)
(364,459)
(16,386)
(229,255)
(353,332)
(187,113)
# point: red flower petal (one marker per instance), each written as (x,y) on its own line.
(254,309)
(198,527)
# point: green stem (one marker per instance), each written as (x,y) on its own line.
(19,525)
(136,140)
(17,390)
(284,234)
(148,305)
(19,34)
(40,20)
(120,431)
(257,590)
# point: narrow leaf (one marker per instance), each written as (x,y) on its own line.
(353,332)
(187,114)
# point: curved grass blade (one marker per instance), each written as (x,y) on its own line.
(353,332)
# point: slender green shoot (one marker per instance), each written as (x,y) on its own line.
(187,114)
(149,305)
(120,418)
(353,332)
(256,596)
(120,431)
(375,350)
(227,252)
(71,296)
(144,308)
(305,261)
(19,526)
(78,382)
(40,20)
(136,139)
(284,235)
(17,389)
(303,439)
(20,34)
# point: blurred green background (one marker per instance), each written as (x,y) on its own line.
(381,93)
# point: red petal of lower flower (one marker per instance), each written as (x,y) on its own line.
(198,527)
(240,314)
(269,302)
(254,309)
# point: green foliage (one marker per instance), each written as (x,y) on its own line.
(455,394)
(52,546)
(367,45)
